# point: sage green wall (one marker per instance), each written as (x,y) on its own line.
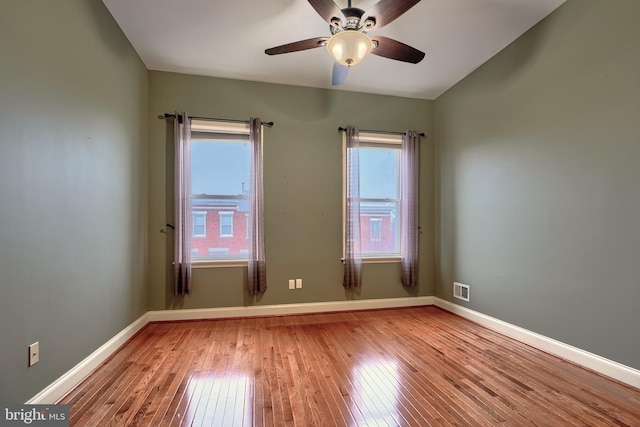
(73,134)
(303,188)
(539,180)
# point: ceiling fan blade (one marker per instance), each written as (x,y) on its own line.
(339,74)
(327,9)
(393,49)
(297,46)
(386,11)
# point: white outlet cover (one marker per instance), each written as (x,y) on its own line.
(292,284)
(298,283)
(34,353)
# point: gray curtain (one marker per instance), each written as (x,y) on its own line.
(352,256)
(257,272)
(409,211)
(182,195)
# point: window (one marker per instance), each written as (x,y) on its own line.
(219,189)
(380,180)
(218,252)
(199,223)
(375,229)
(226,224)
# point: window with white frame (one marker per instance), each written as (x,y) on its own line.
(220,166)
(226,224)
(375,229)
(199,224)
(380,195)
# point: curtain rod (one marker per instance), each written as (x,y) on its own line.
(173,116)
(388,132)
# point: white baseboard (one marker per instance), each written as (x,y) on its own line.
(284,309)
(63,385)
(609,368)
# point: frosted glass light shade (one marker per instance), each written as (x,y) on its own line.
(349,47)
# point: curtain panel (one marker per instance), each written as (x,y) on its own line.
(409,211)
(182,195)
(353,255)
(257,268)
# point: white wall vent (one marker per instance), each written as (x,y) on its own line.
(461,291)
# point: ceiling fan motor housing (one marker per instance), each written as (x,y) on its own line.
(353,17)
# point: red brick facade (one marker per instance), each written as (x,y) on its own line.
(227,240)
(232,239)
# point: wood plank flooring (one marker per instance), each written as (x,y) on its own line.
(397,367)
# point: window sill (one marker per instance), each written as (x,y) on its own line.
(379,260)
(218,264)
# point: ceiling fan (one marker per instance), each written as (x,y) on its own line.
(349,42)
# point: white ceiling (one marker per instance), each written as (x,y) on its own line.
(227,38)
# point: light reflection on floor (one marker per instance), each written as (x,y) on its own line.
(218,400)
(376,388)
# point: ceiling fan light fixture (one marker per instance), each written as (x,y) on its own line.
(349,47)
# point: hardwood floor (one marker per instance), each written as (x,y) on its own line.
(412,366)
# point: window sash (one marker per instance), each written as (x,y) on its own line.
(196,225)
(375,232)
(219,251)
(226,224)
(369,140)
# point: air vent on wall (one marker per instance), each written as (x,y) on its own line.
(461,291)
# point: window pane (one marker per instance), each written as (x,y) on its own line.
(375,229)
(199,224)
(379,173)
(379,228)
(233,244)
(220,185)
(219,168)
(226,224)
(380,204)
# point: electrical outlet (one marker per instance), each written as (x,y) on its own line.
(34,353)
(292,284)
(298,283)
